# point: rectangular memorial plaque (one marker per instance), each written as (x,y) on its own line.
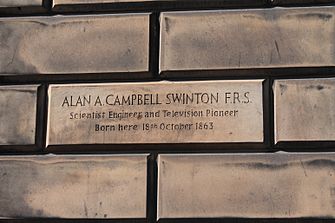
(157,112)
(74,44)
(252,38)
(305,109)
(73,186)
(279,185)
(18,107)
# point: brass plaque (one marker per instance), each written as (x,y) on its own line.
(156,112)
(305,109)
(73,186)
(277,185)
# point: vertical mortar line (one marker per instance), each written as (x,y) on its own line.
(266,113)
(271,114)
(270,3)
(44,116)
(152,166)
(48,5)
(270,130)
(41,107)
(152,188)
(154,45)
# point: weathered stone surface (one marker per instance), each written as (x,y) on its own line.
(59,3)
(69,2)
(18,114)
(73,186)
(20,3)
(252,38)
(156,112)
(74,44)
(279,185)
(305,109)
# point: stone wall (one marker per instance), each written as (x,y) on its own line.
(167,111)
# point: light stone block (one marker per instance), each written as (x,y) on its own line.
(73,186)
(248,38)
(277,185)
(74,44)
(72,2)
(156,112)
(18,106)
(304,109)
(20,3)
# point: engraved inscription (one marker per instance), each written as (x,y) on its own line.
(161,112)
